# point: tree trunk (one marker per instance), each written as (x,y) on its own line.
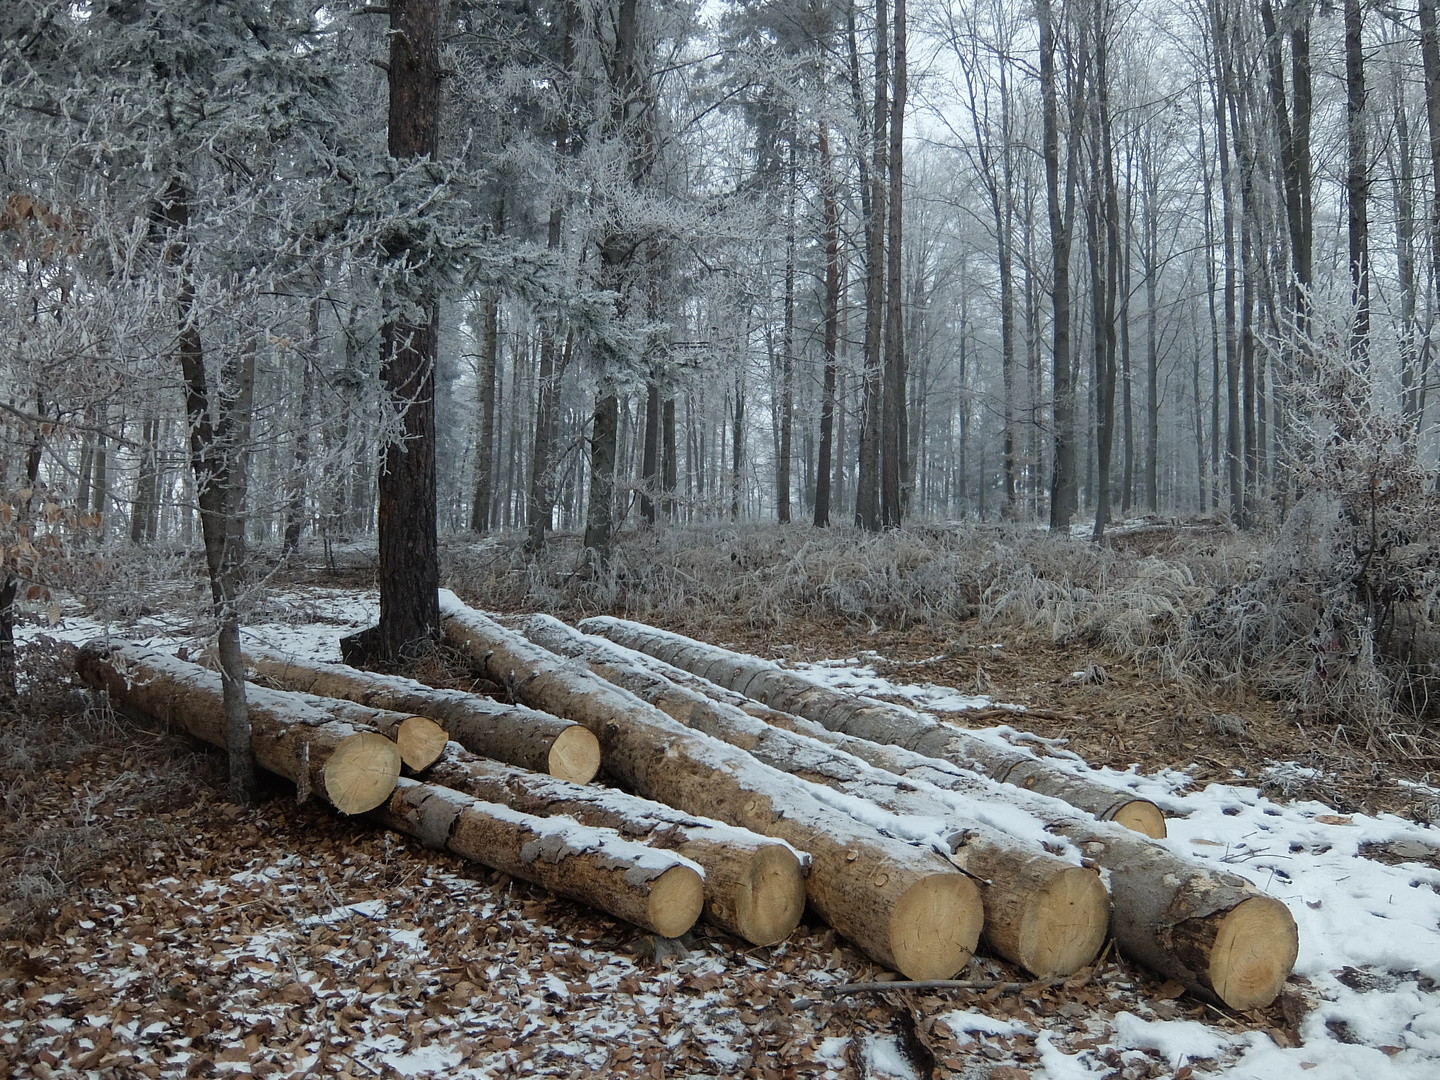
(876,721)
(1045,914)
(351,768)
(480,505)
(650,464)
(894,474)
(511,733)
(754,886)
(1357,184)
(1064,489)
(219,420)
(668,465)
(825,465)
(657,891)
(295,488)
(868,488)
(906,908)
(604,442)
(409,571)
(11,588)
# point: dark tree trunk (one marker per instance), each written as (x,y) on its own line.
(893,453)
(1064,490)
(824,465)
(668,464)
(867,495)
(480,505)
(650,461)
(409,570)
(1357,183)
(604,443)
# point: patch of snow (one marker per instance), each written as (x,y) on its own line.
(1178,1041)
(883,1057)
(973,1020)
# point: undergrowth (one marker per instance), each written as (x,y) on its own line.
(76,784)
(1132,597)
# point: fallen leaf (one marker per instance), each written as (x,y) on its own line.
(1391,1051)
(1208,843)
(1170,991)
(1333,819)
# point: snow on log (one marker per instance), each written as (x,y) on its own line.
(905,907)
(754,885)
(878,721)
(352,768)
(1215,933)
(657,890)
(512,733)
(420,740)
(1041,912)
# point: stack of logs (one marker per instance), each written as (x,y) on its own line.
(755,792)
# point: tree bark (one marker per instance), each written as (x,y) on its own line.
(352,768)
(905,908)
(657,891)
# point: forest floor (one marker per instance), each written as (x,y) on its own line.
(155,930)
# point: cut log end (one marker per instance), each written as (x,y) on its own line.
(361,773)
(935,926)
(1254,952)
(1143,816)
(421,742)
(1064,924)
(676,899)
(575,755)
(771,899)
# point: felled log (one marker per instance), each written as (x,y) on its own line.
(512,733)
(754,885)
(1214,933)
(905,907)
(1041,912)
(352,768)
(657,890)
(419,739)
(878,721)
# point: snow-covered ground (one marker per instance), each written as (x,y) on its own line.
(1368,966)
